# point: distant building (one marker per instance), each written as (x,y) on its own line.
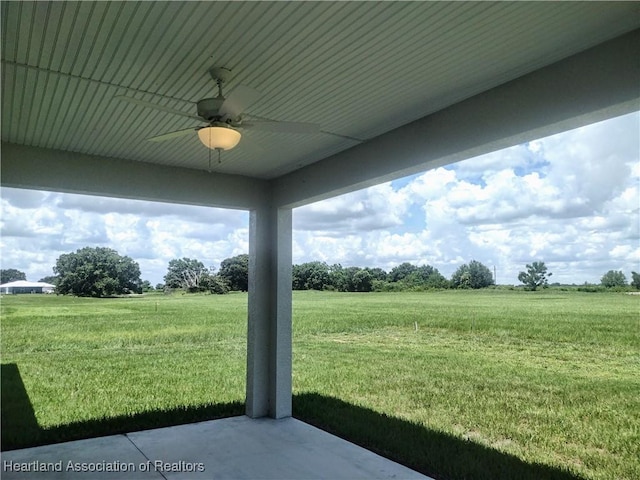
(22,286)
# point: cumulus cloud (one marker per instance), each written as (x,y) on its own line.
(571,200)
(149,232)
(375,208)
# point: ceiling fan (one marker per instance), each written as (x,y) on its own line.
(222,116)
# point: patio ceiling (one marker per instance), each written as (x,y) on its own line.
(358,69)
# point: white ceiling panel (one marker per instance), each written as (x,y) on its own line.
(358,69)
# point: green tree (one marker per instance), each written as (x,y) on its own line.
(348,281)
(52,279)
(401,272)
(11,275)
(235,271)
(337,278)
(185,273)
(428,277)
(378,273)
(363,280)
(356,279)
(314,276)
(297,279)
(613,278)
(215,284)
(97,272)
(472,275)
(535,276)
(146,286)
(635,280)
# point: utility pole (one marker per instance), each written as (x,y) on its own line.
(495,281)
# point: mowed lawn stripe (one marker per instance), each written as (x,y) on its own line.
(549,377)
(534,375)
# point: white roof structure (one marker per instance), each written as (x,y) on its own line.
(26,284)
(375,76)
(396,88)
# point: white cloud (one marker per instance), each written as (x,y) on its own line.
(375,208)
(571,200)
(150,233)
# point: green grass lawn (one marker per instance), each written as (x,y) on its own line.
(437,380)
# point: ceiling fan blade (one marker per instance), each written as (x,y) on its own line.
(170,135)
(157,107)
(238,100)
(285,127)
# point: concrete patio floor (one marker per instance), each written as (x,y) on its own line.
(233,448)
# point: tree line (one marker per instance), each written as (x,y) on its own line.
(192,276)
(406,276)
(102,272)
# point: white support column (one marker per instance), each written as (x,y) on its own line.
(269,329)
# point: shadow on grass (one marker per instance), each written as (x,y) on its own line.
(20,428)
(436,454)
(18,418)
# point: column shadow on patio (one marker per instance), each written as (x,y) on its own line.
(440,455)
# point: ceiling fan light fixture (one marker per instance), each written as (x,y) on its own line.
(219,137)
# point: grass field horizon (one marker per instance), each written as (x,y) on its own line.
(547,378)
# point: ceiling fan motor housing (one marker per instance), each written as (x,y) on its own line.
(208,108)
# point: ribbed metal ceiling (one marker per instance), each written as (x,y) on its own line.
(358,69)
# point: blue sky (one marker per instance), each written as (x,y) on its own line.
(571,200)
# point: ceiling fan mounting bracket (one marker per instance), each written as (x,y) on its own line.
(220,74)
